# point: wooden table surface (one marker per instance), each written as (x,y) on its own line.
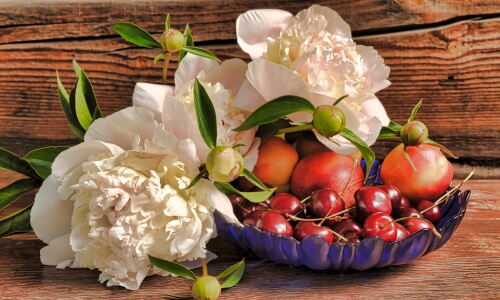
(467,267)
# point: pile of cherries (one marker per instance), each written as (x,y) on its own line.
(379,210)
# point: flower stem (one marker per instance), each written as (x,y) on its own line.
(204,267)
(295,128)
(166,61)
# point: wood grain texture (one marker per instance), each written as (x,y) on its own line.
(467,267)
(446,52)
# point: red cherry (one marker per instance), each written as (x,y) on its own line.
(409,213)
(352,238)
(326,202)
(402,232)
(274,222)
(347,226)
(380,224)
(433,214)
(253,217)
(371,199)
(306,228)
(415,225)
(285,203)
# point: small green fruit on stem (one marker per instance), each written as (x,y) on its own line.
(172,40)
(414,133)
(224,164)
(329,120)
(206,288)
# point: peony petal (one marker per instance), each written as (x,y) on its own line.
(252,154)
(190,67)
(373,107)
(192,264)
(47,205)
(248,98)
(135,283)
(151,96)
(122,127)
(255,26)
(377,70)
(58,252)
(336,25)
(230,74)
(70,159)
(342,146)
(218,200)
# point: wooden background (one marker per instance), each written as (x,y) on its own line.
(444,51)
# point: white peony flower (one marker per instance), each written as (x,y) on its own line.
(312,55)
(121,195)
(229,91)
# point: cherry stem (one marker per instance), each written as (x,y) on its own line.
(408,218)
(449,193)
(340,236)
(305,199)
(295,128)
(295,218)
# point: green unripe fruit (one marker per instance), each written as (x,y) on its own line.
(224,164)
(206,288)
(172,40)
(414,133)
(328,120)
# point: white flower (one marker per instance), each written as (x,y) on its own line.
(121,195)
(312,55)
(229,91)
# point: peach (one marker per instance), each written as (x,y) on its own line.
(275,164)
(432,177)
(327,170)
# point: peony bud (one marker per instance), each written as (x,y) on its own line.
(172,40)
(206,288)
(328,120)
(414,133)
(224,164)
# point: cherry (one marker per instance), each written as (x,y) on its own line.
(371,199)
(285,203)
(274,222)
(253,217)
(402,232)
(408,213)
(352,238)
(416,224)
(398,201)
(306,228)
(243,207)
(324,203)
(380,224)
(430,211)
(348,226)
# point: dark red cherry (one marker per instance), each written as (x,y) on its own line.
(348,226)
(285,203)
(352,238)
(415,225)
(306,228)
(408,213)
(380,224)
(326,202)
(402,232)
(432,214)
(274,222)
(253,217)
(370,200)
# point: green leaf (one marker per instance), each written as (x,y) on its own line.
(167,22)
(365,150)
(205,114)
(235,273)
(17,222)
(254,197)
(86,108)
(13,191)
(200,52)
(269,129)
(135,35)
(441,147)
(172,267)
(394,126)
(276,109)
(388,133)
(249,175)
(414,111)
(158,57)
(340,100)
(409,159)
(10,161)
(189,42)
(64,98)
(197,178)
(41,159)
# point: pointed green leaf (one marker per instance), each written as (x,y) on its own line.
(388,133)
(86,107)
(200,52)
(81,109)
(394,126)
(10,161)
(230,270)
(249,175)
(167,22)
(414,111)
(64,98)
(172,267)
(205,114)
(365,150)
(189,42)
(340,100)
(158,57)
(409,159)
(16,222)
(41,159)
(235,273)
(197,178)
(276,109)
(441,147)
(13,191)
(135,35)
(254,197)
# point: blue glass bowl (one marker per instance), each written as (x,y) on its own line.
(373,252)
